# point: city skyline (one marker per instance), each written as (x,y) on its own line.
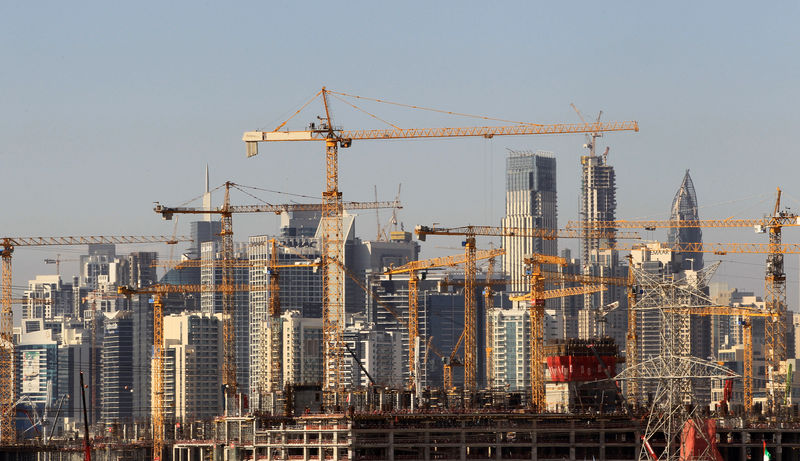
(135,118)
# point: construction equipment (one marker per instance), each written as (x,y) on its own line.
(7,246)
(452,361)
(158,359)
(412,268)
(775,278)
(536,299)
(226,212)
(273,361)
(157,368)
(470,308)
(57,261)
(747,340)
(332,240)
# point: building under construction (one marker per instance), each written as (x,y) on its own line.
(424,435)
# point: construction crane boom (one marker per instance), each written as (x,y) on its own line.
(723,248)
(226,211)
(7,246)
(413,301)
(277,209)
(756,223)
(470,320)
(547,234)
(254,137)
(331,226)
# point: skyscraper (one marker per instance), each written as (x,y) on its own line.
(599,203)
(530,204)
(598,200)
(684,208)
(118,370)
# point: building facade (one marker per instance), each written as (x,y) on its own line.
(117,369)
(508,349)
(194,357)
(530,204)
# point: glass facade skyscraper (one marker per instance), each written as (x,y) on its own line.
(530,204)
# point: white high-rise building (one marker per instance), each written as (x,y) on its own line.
(47,297)
(508,336)
(193,344)
(302,348)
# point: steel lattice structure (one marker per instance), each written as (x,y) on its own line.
(674,374)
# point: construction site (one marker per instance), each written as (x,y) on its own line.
(625,374)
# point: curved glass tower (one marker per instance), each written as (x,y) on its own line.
(684,207)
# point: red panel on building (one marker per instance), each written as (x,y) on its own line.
(566,368)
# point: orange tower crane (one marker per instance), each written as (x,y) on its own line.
(470,308)
(226,212)
(412,268)
(332,240)
(7,246)
(775,280)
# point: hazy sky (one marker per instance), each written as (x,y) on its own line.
(107,108)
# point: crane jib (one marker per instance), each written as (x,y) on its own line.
(396,133)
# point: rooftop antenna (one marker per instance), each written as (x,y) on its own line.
(207,199)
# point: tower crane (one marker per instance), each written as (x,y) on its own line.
(536,299)
(226,212)
(774,283)
(57,261)
(7,246)
(158,292)
(470,309)
(447,362)
(412,268)
(332,244)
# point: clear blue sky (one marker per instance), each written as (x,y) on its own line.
(107,108)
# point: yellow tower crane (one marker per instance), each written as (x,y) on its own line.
(536,299)
(7,246)
(470,308)
(158,293)
(332,243)
(412,268)
(774,290)
(226,212)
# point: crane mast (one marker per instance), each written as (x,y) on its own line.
(7,246)
(229,380)
(536,298)
(412,268)
(774,291)
(8,431)
(332,251)
(331,226)
(775,303)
